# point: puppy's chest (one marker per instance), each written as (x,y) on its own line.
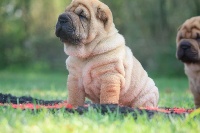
(92,76)
(85,71)
(90,72)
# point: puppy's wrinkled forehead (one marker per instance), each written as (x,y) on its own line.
(191,24)
(92,9)
(190,28)
(90,5)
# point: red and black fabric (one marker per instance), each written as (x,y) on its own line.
(27,102)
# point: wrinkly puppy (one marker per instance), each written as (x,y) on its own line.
(101,67)
(188,51)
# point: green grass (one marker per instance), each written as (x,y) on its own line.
(50,86)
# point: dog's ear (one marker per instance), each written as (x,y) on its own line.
(105,16)
(102,15)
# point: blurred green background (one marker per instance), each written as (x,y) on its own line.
(28,42)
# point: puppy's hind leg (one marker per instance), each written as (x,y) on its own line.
(197,100)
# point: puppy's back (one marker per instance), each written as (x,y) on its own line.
(141,89)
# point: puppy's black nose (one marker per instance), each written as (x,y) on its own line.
(185,45)
(63,18)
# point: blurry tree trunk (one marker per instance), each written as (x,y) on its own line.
(197,5)
(26,15)
(163,15)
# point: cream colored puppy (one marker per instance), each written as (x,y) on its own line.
(188,51)
(101,67)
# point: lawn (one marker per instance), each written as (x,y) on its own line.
(51,86)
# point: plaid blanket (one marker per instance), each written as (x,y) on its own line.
(27,102)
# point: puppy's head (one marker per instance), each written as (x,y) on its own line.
(83,22)
(188,41)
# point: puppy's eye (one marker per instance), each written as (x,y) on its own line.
(82,14)
(180,37)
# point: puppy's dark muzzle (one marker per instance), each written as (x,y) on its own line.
(63,19)
(185,45)
(64,25)
(183,48)
(186,53)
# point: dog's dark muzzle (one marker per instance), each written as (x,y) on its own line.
(64,27)
(186,52)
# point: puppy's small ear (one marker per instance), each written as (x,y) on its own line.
(104,14)
(101,15)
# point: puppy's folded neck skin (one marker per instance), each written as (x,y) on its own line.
(95,47)
(192,69)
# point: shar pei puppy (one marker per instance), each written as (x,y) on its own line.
(188,51)
(101,67)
